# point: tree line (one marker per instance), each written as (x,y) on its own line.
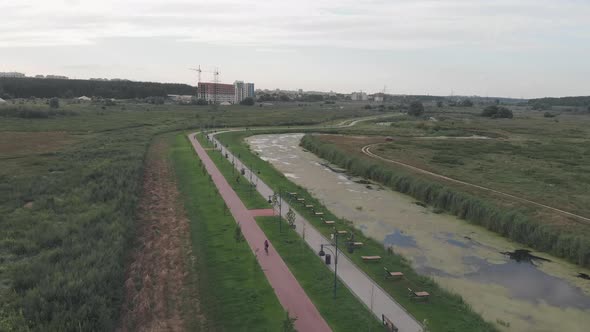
(49,88)
(580,101)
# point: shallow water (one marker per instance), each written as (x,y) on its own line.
(466,259)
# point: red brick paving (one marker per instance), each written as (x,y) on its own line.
(262,212)
(290,294)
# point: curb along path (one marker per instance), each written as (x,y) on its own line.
(364,288)
(290,294)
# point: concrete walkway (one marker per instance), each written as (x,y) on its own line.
(289,292)
(367,290)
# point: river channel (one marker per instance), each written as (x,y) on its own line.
(466,259)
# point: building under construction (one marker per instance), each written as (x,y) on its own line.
(216,93)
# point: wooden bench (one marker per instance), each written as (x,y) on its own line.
(392,275)
(371,258)
(309,206)
(293,194)
(342,232)
(319,213)
(419,295)
(302,200)
(389,326)
(357,244)
(329,222)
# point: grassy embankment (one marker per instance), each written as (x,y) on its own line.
(247,193)
(444,311)
(232,287)
(346,312)
(69,184)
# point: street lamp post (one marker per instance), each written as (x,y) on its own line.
(277,201)
(251,182)
(322,253)
(280,211)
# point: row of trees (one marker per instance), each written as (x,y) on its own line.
(581,101)
(569,244)
(48,88)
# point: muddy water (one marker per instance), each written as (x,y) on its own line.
(466,259)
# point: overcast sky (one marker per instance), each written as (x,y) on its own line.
(524,48)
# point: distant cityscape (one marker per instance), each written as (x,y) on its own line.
(239,91)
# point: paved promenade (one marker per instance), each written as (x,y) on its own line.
(368,291)
(290,294)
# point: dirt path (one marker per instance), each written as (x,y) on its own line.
(288,290)
(367,151)
(157,295)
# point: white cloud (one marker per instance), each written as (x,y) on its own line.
(367,24)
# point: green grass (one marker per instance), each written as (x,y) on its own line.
(444,312)
(346,312)
(63,261)
(233,290)
(556,171)
(245,191)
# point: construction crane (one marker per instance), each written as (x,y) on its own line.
(215,80)
(199,71)
(214,72)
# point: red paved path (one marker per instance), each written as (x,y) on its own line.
(262,212)
(286,287)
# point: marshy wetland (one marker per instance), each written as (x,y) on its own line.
(505,285)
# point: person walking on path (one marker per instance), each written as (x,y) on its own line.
(266,246)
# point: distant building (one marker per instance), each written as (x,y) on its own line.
(12,74)
(215,93)
(359,96)
(243,91)
(84,99)
(182,99)
(39,76)
(249,90)
(239,91)
(378,97)
(57,77)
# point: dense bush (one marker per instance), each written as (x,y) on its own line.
(466,103)
(496,112)
(249,101)
(54,103)
(512,224)
(416,108)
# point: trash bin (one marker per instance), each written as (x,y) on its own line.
(328,259)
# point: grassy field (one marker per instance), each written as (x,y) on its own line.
(69,184)
(242,299)
(531,156)
(445,311)
(346,312)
